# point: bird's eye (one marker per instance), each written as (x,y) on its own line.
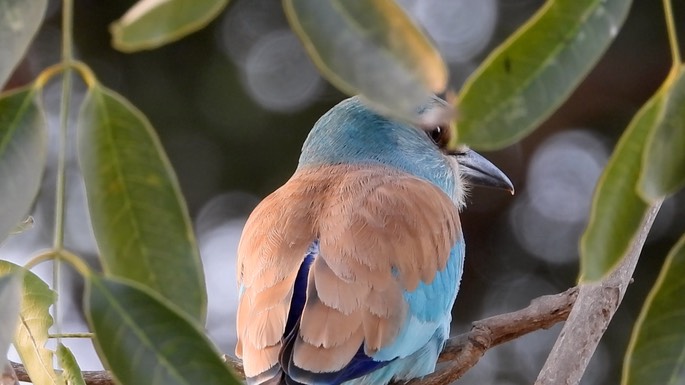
(439,135)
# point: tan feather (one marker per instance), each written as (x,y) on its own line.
(239,349)
(333,291)
(259,360)
(266,327)
(326,327)
(318,359)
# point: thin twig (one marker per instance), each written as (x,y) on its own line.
(462,351)
(594,308)
(61,182)
(672,34)
(97,377)
(73,335)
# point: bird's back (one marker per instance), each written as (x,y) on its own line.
(349,271)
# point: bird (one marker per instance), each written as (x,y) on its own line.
(348,272)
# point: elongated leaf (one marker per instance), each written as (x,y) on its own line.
(143,341)
(139,216)
(153,23)
(10,299)
(663,172)
(35,320)
(19,22)
(656,353)
(523,81)
(23,148)
(371,47)
(70,369)
(617,210)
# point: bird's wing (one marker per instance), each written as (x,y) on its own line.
(381,234)
(274,243)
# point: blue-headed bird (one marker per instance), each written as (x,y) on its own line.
(349,271)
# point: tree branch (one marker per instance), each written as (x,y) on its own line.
(462,351)
(594,308)
(8,376)
(91,377)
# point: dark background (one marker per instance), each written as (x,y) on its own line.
(233,102)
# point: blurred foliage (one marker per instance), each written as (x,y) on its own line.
(19,22)
(23,148)
(152,23)
(362,47)
(10,298)
(139,216)
(657,347)
(529,75)
(131,322)
(617,209)
(32,332)
(70,369)
(664,159)
(134,199)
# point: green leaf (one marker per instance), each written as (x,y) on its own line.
(35,320)
(10,299)
(153,23)
(663,171)
(140,220)
(144,341)
(19,22)
(527,77)
(23,148)
(617,210)
(70,369)
(656,353)
(371,47)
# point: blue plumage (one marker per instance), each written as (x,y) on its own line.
(352,134)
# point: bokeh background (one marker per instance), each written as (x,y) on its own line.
(233,103)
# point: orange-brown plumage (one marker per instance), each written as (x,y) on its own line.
(380,231)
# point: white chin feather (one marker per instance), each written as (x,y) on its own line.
(461,187)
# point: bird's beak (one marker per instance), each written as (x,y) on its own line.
(480,172)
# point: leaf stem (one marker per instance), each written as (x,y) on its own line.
(672,34)
(72,335)
(67,30)
(60,188)
(76,262)
(67,19)
(40,258)
(47,74)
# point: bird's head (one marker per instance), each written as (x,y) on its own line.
(351,133)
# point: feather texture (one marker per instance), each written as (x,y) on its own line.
(381,233)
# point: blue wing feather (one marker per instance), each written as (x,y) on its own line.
(300,288)
(430,309)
